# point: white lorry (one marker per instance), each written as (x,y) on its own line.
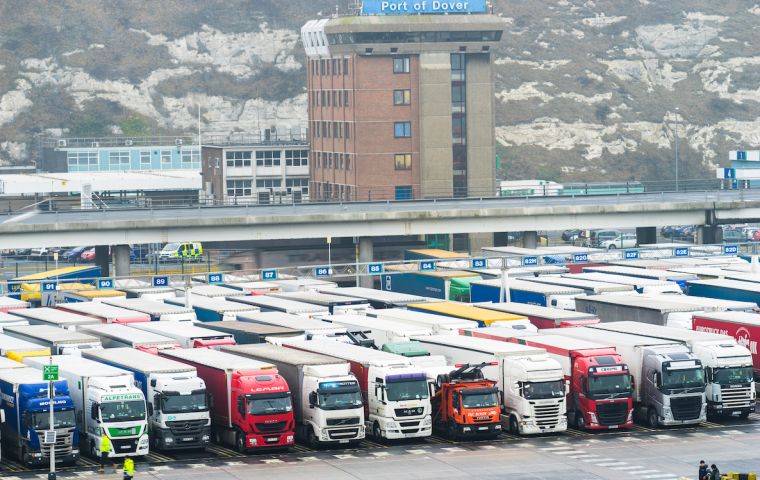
(379,330)
(58,340)
(439,324)
(327,401)
(311,327)
(178,416)
(106,400)
(53,317)
(156,309)
(188,335)
(533,384)
(396,392)
(113,335)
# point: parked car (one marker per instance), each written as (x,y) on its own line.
(22,252)
(733,235)
(88,255)
(594,238)
(73,254)
(625,240)
(570,235)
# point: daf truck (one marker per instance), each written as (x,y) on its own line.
(58,340)
(178,416)
(157,310)
(669,381)
(188,335)
(730,386)
(397,398)
(113,335)
(104,313)
(327,401)
(106,402)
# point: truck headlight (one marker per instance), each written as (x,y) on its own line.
(253,441)
(592,415)
(427,422)
(168,440)
(289,439)
(205,438)
(144,440)
(630,416)
(466,429)
(391,425)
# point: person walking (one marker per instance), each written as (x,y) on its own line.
(702,470)
(105,450)
(714,472)
(129,468)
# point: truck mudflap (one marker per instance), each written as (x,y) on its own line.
(274,440)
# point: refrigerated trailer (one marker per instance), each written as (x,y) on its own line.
(640,285)
(158,310)
(662,275)
(54,317)
(543,317)
(336,304)
(104,313)
(523,291)
(211,291)
(589,287)
(380,330)
(188,335)
(16,349)
(114,335)
(58,340)
(213,309)
(312,328)
(251,333)
(613,308)
(744,327)
(439,324)
(706,304)
(726,289)
(271,304)
(482,316)
(376,298)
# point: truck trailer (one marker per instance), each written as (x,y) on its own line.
(114,335)
(188,335)
(640,285)
(726,290)
(707,304)
(54,317)
(523,291)
(663,275)
(16,349)
(439,324)
(158,310)
(282,305)
(544,317)
(8,320)
(327,401)
(213,309)
(9,303)
(58,340)
(484,317)
(249,402)
(312,328)
(379,330)
(443,284)
(336,304)
(178,415)
(376,298)
(589,287)
(614,308)
(104,313)
(251,333)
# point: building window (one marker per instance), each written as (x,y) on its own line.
(348,162)
(166,157)
(345,66)
(145,159)
(403,161)
(78,161)
(319,156)
(297,183)
(189,157)
(335,98)
(329,160)
(296,158)
(401,65)
(404,192)
(348,130)
(238,159)
(345,98)
(118,160)
(402,129)
(339,162)
(325,130)
(239,188)
(459,128)
(269,183)
(268,158)
(321,67)
(458,94)
(324,97)
(402,97)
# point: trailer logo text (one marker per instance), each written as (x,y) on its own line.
(743,338)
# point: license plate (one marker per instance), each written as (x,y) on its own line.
(482,428)
(613,426)
(272,440)
(188,439)
(343,441)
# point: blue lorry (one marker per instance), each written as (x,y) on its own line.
(521,291)
(725,289)
(24,398)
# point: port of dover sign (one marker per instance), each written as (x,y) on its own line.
(411,7)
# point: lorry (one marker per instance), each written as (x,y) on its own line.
(439,324)
(730,386)
(589,287)
(336,304)
(376,298)
(726,289)
(212,291)
(157,310)
(613,308)
(16,349)
(249,401)
(744,327)
(379,330)
(465,404)
(668,380)
(9,303)
(104,313)
(254,288)
(543,317)
(397,398)
(25,403)
(523,291)
(303,284)
(707,304)
(312,328)
(327,401)
(442,284)
(58,340)
(114,335)
(188,335)
(482,316)
(249,333)
(8,320)
(640,285)
(663,275)
(282,305)
(213,309)
(54,317)
(106,400)
(178,415)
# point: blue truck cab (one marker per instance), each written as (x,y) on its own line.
(25,400)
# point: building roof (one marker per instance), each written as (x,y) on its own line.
(72,182)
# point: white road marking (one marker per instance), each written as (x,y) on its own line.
(611,464)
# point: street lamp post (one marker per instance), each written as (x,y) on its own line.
(676,144)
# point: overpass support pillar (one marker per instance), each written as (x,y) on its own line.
(103,260)
(121,260)
(366,255)
(530,239)
(646,235)
(709,234)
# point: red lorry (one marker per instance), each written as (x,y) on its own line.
(743,326)
(250,402)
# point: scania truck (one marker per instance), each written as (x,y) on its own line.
(178,415)
(25,402)
(669,381)
(396,392)
(728,365)
(327,401)
(106,401)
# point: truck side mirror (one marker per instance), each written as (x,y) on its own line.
(708,374)
(94,411)
(2,416)
(156,403)
(312,399)
(584,386)
(241,406)
(657,379)
(150,409)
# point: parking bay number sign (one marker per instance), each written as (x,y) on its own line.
(50,373)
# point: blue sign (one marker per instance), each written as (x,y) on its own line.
(631,254)
(269,274)
(730,250)
(375,268)
(49,286)
(427,266)
(741,156)
(580,257)
(215,278)
(478,263)
(681,252)
(160,281)
(412,7)
(530,261)
(105,283)
(322,271)
(729,173)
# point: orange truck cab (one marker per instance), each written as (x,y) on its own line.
(466,405)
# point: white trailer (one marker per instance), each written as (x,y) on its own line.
(105,313)
(337,304)
(641,285)
(439,324)
(542,317)
(9,303)
(376,298)
(158,310)
(303,284)
(272,304)
(54,317)
(706,304)
(211,291)
(312,328)
(114,335)
(380,330)
(58,340)
(188,335)
(214,309)
(591,287)
(612,308)
(8,320)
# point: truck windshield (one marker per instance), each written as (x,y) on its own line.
(173,402)
(268,405)
(609,384)
(480,400)
(686,378)
(732,375)
(539,390)
(41,420)
(407,390)
(339,400)
(128,411)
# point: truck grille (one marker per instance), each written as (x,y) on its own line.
(686,408)
(409,424)
(615,413)
(343,433)
(332,422)
(736,397)
(408,412)
(187,427)
(63,443)
(271,427)
(124,445)
(547,415)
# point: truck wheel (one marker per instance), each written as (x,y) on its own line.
(580,421)
(240,442)
(217,436)
(652,419)
(744,415)
(514,428)
(376,432)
